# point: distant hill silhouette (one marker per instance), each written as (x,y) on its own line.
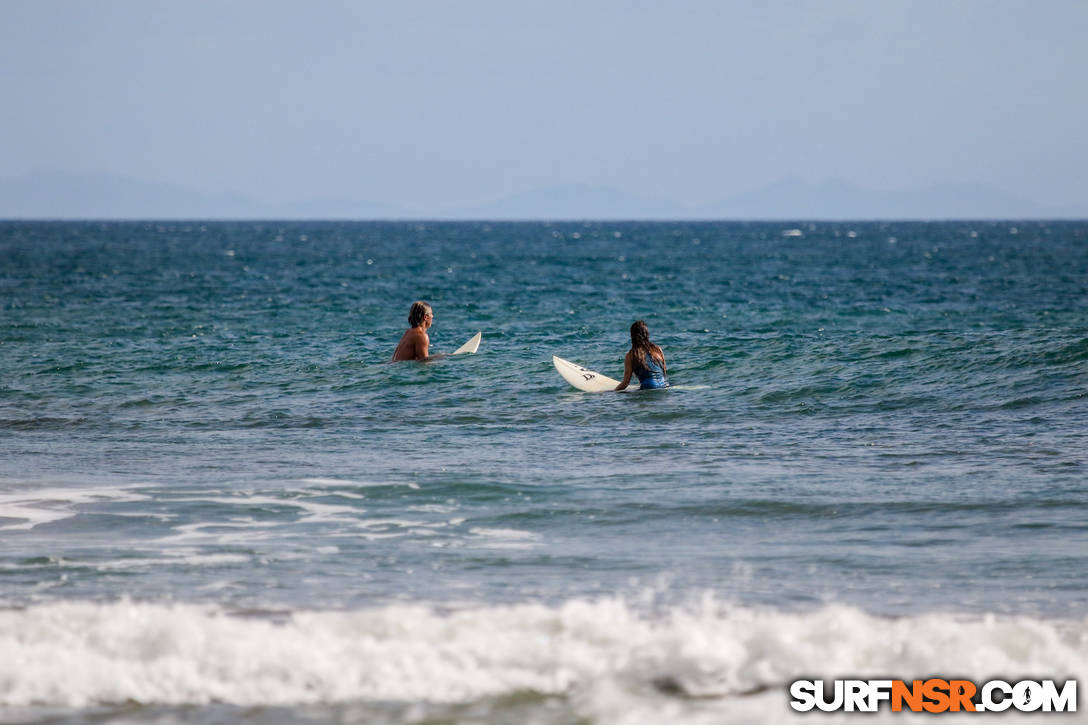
(100,196)
(576,201)
(336,208)
(791,198)
(56,195)
(786,199)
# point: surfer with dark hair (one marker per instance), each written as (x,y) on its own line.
(415,343)
(645,359)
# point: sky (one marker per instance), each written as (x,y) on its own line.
(434,104)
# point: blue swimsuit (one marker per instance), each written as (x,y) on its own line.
(652,375)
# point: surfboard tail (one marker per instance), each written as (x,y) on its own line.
(582,378)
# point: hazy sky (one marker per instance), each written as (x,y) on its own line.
(429,104)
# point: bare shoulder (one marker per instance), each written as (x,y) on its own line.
(413,345)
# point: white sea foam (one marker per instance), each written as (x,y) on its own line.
(175,558)
(312,511)
(31,508)
(247,530)
(504,538)
(353,483)
(220,534)
(613,662)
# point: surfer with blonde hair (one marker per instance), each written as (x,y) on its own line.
(415,343)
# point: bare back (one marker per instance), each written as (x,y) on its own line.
(414,345)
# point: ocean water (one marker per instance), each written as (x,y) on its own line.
(220,503)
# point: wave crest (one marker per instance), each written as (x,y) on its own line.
(80,654)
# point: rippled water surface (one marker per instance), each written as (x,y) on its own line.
(199,430)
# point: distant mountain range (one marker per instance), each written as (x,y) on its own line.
(791,198)
(102,196)
(91,196)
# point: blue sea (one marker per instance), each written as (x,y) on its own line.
(219,502)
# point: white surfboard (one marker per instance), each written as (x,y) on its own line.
(471,346)
(582,378)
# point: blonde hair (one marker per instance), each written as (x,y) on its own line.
(417,313)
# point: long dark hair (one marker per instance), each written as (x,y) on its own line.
(417,313)
(641,345)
